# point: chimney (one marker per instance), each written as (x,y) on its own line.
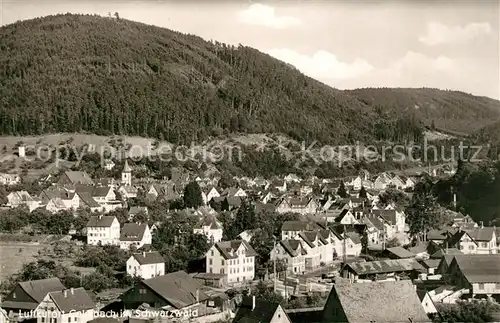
(253,302)
(72,291)
(197,295)
(482,224)
(144,254)
(65,293)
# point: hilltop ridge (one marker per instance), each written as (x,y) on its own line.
(91,74)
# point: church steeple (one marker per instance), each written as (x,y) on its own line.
(127,174)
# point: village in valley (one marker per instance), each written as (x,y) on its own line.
(201,247)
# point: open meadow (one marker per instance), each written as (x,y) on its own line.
(13,255)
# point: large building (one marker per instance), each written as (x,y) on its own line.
(234,260)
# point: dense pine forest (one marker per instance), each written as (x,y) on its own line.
(102,75)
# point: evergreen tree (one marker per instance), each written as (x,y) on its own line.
(362,192)
(364,242)
(192,195)
(342,192)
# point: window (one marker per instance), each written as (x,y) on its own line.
(69,319)
(222,262)
(471,247)
(481,286)
(222,271)
(210,270)
(485,244)
(210,261)
(43,319)
(142,291)
(211,252)
(497,286)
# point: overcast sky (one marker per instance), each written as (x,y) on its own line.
(346,44)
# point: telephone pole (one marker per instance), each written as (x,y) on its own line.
(344,251)
(274,264)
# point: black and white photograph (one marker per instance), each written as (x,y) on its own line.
(240,161)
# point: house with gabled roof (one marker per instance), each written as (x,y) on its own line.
(18,198)
(291,229)
(103,230)
(135,234)
(313,243)
(234,192)
(234,260)
(279,185)
(346,217)
(146,265)
(395,301)
(210,227)
(72,178)
(381,182)
(174,291)
(292,253)
(69,305)
(381,269)
(128,191)
(486,239)
(257,310)
(477,273)
(26,296)
(301,205)
(462,241)
(209,193)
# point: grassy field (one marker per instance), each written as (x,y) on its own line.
(14,255)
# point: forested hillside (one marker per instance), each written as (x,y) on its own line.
(450,111)
(102,75)
(71,73)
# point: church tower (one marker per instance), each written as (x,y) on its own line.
(127,174)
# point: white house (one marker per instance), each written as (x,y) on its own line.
(292,253)
(235,260)
(127,192)
(109,164)
(72,305)
(134,234)
(104,230)
(9,179)
(486,239)
(427,302)
(209,193)
(211,228)
(146,265)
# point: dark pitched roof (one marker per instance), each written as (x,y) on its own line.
(147,258)
(400,252)
(262,313)
(101,191)
(100,221)
(227,248)
(88,199)
(446,252)
(76,177)
(293,247)
(379,302)
(482,234)
(299,226)
(132,232)
(77,299)
(384,266)
(479,268)
(178,288)
(38,289)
